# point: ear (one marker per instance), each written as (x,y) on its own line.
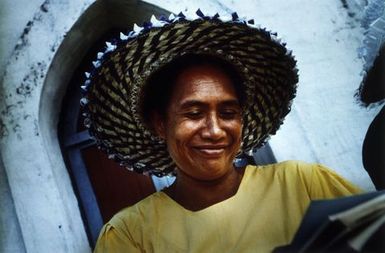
(158,123)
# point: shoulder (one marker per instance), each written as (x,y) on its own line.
(318,180)
(294,167)
(132,216)
(125,230)
(289,176)
(285,170)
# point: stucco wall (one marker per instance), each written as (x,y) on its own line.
(13,24)
(10,235)
(43,198)
(14,17)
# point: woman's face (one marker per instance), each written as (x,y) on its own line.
(203,125)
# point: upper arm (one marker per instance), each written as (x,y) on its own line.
(114,239)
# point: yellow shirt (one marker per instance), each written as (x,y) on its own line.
(264,213)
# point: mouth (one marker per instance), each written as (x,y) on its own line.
(211,151)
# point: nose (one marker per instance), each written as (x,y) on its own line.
(213,129)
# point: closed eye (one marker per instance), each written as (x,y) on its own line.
(230,114)
(194,114)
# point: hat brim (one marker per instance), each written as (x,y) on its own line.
(113,89)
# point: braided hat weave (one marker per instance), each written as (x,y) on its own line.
(113,88)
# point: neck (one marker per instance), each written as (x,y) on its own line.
(195,194)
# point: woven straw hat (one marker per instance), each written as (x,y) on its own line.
(113,87)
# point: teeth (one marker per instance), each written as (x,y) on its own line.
(212,151)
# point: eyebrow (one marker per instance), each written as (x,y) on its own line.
(193,102)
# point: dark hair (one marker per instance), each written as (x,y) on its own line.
(158,89)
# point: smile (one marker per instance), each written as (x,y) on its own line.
(211,151)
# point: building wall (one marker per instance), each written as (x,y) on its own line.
(39,211)
(10,235)
(41,194)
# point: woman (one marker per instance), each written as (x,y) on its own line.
(188,97)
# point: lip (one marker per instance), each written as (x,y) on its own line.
(211,151)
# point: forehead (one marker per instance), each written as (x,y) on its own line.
(205,83)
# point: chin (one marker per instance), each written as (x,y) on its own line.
(214,170)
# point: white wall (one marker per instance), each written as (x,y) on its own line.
(12,25)
(10,235)
(14,16)
(40,197)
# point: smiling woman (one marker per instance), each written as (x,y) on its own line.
(202,129)
(187,97)
(203,135)
(205,108)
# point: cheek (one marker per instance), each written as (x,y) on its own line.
(235,128)
(236,134)
(184,129)
(180,133)
(179,136)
